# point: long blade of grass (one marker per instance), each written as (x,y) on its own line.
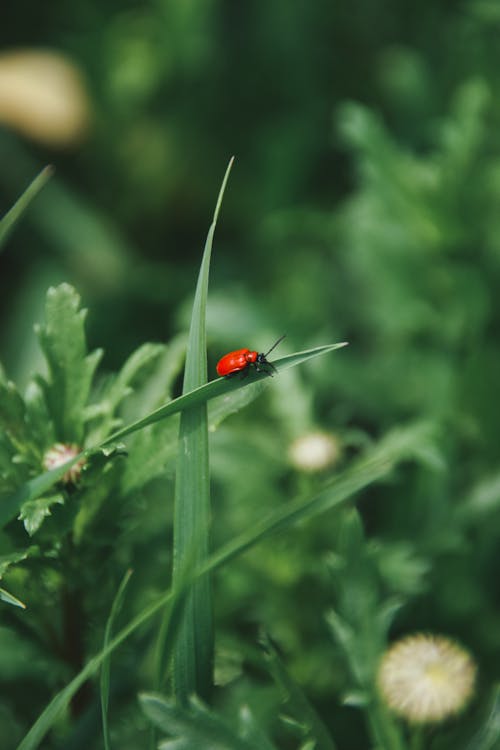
(12,216)
(105,668)
(36,487)
(399,445)
(219,387)
(193,651)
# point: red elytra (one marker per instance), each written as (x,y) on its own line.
(242,359)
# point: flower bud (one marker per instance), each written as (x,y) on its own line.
(58,455)
(314,451)
(43,96)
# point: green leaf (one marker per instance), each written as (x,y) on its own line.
(154,448)
(251,731)
(71,370)
(10,599)
(11,218)
(119,388)
(193,651)
(40,426)
(13,417)
(300,707)
(35,488)
(34,512)
(14,557)
(193,726)
(5,563)
(220,387)
(488,737)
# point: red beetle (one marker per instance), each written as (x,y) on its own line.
(242,359)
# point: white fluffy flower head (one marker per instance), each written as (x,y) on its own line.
(426,678)
(314,451)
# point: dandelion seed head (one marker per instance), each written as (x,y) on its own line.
(426,678)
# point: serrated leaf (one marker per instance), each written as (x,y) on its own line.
(152,453)
(12,414)
(33,489)
(41,428)
(34,512)
(155,385)
(193,726)
(14,557)
(250,730)
(94,493)
(71,369)
(117,389)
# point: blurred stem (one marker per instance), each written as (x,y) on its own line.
(417,739)
(73,648)
(384,731)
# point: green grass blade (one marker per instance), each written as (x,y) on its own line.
(219,387)
(301,709)
(193,651)
(399,445)
(10,506)
(10,599)
(105,668)
(12,216)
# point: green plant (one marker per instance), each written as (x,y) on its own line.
(70,532)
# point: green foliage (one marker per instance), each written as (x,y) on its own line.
(196,726)
(364,207)
(71,369)
(303,713)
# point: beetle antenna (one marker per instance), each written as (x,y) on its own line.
(275,345)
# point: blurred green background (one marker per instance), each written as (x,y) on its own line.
(364,205)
